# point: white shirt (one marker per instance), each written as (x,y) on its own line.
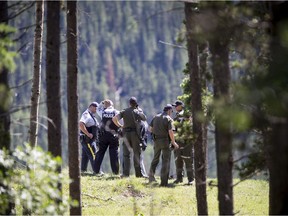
(88,120)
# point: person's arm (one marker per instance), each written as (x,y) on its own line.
(100,110)
(151,129)
(171,135)
(116,121)
(84,130)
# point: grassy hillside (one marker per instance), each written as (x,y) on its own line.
(109,195)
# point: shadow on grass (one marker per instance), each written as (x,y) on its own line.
(156,184)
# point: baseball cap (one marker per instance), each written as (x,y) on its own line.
(167,107)
(133,100)
(95,104)
(178,103)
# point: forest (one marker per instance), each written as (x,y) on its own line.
(225,60)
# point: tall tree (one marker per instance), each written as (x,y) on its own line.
(53,77)
(36,86)
(4,85)
(200,161)
(4,98)
(72,101)
(277,107)
(219,46)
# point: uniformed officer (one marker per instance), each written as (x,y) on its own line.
(185,152)
(161,128)
(88,136)
(131,139)
(108,137)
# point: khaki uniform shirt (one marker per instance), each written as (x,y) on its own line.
(128,118)
(161,124)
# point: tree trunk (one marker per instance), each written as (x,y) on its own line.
(223,137)
(199,146)
(53,81)
(4,90)
(4,109)
(278,145)
(53,77)
(72,101)
(33,132)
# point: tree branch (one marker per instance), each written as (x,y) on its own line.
(23,9)
(20,85)
(173,45)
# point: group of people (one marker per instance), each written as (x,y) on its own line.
(96,137)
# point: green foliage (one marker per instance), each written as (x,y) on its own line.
(6,55)
(255,162)
(36,187)
(231,116)
(184,133)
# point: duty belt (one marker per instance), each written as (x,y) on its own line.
(160,136)
(129,129)
(114,132)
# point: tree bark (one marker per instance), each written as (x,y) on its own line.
(72,101)
(33,132)
(200,162)
(223,137)
(53,77)
(277,147)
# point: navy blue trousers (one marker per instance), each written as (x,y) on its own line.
(106,140)
(88,154)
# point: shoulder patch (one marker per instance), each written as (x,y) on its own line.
(169,118)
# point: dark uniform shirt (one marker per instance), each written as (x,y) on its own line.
(106,123)
(161,124)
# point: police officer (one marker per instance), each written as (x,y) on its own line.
(108,137)
(88,126)
(185,151)
(161,128)
(131,138)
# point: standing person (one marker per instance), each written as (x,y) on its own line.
(131,138)
(88,126)
(108,137)
(161,128)
(185,152)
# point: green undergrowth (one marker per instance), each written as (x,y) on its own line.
(109,195)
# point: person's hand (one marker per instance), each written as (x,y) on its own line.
(176,146)
(90,135)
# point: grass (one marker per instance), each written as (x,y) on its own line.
(109,195)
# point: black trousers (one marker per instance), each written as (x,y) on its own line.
(88,154)
(107,139)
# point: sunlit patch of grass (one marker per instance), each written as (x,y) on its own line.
(134,196)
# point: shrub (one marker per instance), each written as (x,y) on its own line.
(36,187)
